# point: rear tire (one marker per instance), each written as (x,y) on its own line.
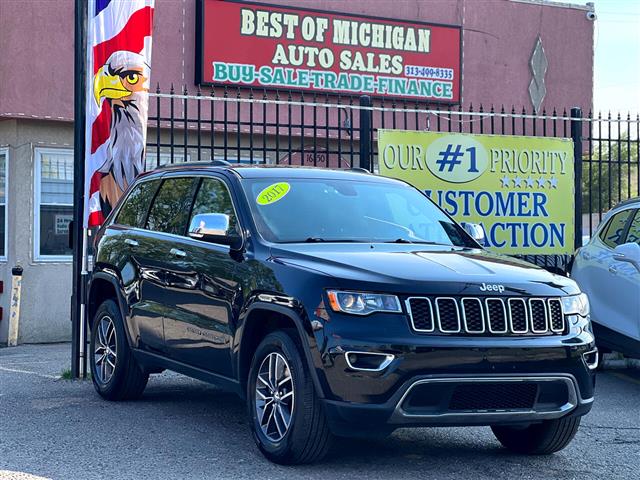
(544,438)
(306,438)
(115,373)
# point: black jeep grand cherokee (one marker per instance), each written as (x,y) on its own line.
(335,303)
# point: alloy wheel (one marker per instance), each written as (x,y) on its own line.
(105,353)
(274,399)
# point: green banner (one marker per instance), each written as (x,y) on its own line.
(521,189)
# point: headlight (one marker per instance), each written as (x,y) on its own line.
(576,305)
(361,303)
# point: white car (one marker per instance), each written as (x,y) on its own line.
(607,269)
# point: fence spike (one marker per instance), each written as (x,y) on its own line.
(158,87)
(171,90)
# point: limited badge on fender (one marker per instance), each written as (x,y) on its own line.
(273,193)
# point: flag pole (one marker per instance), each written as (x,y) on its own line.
(78,330)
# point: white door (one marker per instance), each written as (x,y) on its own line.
(613,287)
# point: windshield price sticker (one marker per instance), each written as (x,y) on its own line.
(273,193)
(519,188)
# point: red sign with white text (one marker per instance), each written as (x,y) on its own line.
(266,46)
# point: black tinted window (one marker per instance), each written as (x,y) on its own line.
(634,229)
(170,210)
(136,206)
(613,233)
(213,197)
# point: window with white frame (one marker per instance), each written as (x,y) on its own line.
(54,203)
(3,204)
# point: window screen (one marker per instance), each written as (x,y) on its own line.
(3,203)
(55,187)
(170,210)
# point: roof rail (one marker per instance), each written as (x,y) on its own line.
(220,163)
(359,169)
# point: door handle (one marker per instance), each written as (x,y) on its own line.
(586,256)
(177,253)
(613,270)
(132,242)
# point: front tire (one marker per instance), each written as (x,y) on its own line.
(544,438)
(287,419)
(115,373)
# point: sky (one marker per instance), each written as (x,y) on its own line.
(617,55)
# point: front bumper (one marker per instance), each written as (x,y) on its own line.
(438,380)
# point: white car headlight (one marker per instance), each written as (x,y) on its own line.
(362,303)
(576,305)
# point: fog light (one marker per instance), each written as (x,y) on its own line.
(591,359)
(368,361)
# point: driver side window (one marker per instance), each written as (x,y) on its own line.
(613,234)
(634,229)
(213,197)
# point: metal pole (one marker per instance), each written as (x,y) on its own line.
(576,136)
(77,295)
(365,134)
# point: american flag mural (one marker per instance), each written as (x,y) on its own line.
(118,68)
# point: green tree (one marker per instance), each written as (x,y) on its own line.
(610,175)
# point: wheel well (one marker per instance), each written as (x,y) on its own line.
(101,290)
(258,325)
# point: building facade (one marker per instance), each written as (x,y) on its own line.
(499,41)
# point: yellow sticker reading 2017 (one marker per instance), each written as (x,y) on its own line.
(273,193)
(521,189)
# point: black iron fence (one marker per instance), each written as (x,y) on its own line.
(248,126)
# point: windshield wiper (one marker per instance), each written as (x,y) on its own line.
(328,240)
(422,242)
(399,240)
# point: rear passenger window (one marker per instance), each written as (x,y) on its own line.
(136,206)
(634,229)
(213,197)
(613,234)
(170,210)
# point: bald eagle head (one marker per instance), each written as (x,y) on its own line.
(123,81)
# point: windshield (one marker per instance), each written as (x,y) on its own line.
(326,210)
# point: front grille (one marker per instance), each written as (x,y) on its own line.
(494,396)
(486,316)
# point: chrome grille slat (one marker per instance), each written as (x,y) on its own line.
(486,315)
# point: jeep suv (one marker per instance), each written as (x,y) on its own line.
(335,303)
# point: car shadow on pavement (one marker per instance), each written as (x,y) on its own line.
(206,411)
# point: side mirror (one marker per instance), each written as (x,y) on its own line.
(214,228)
(475,231)
(628,252)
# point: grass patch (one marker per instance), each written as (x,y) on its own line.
(66,375)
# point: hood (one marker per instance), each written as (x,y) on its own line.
(426,269)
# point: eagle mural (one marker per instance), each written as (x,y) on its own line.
(123,84)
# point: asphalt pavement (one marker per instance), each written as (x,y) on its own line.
(184,429)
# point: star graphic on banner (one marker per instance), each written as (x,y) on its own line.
(541,182)
(553,182)
(517,182)
(505,181)
(530,182)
